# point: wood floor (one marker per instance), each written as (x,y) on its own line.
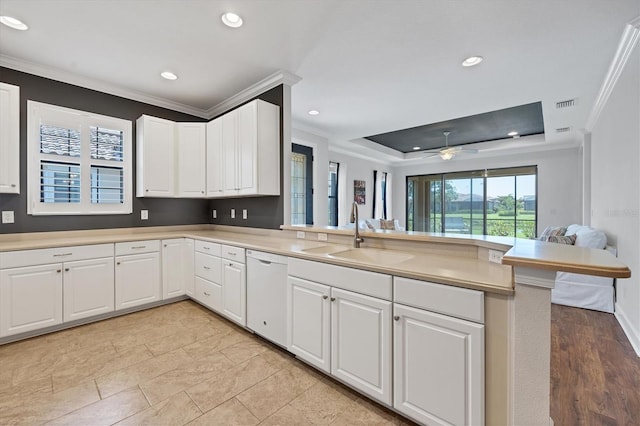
(181,364)
(595,373)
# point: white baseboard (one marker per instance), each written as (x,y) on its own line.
(632,333)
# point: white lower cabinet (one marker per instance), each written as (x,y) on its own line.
(343,333)
(209,293)
(438,367)
(88,288)
(177,267)
(189,267)
(30,298)
(234,291)
(137,276)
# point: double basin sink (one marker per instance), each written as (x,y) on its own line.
(368,255)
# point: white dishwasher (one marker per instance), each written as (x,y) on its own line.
(267,295)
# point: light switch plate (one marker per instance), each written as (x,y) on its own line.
(245,213)
(215,214)
(7,216)
(322,236)
(495,256)
(144,214)
(233,213)
(300,234)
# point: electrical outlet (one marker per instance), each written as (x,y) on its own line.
(233,213)
(7,216)
(144,214)
(215,214)
(245,213)
(495,256)
(300,234)
(322,236)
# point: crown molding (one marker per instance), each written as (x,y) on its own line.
(93,84)
(275,79)
(628,42)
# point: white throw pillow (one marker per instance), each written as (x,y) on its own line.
(589,237)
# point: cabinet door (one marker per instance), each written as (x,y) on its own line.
(234,290)
(438,368)
(247,147)
(192,161)
(215,163)
(189,267)
(9,139)
(173,282)
(229,152)
(137,279)
(88,288)
(361,342)
(155,144)
(30,298)
(308,322)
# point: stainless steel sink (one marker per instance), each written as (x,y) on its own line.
(378,256)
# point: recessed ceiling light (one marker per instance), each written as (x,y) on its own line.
(415,148)
(513,133)
(231,19)
(14,23)
(168,75)
(471,61)
(314,112)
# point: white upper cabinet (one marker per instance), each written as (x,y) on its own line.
(191,154)
(246,156)
(9,139)
(155,147)
(214,158)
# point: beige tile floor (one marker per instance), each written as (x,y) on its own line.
(173,365)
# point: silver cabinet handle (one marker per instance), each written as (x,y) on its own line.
(13,185)
(138,247)
(396,318)
(62,254)
(333,299)
(66,269)
(117,263)
(231,254)
(205,293)
(325,297)
(58,270)
(206,248)
(206,267)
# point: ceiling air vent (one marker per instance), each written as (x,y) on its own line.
(569,103)
(563,129)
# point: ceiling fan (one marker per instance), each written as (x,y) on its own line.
(448,152)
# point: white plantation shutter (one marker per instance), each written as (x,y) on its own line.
(79,163)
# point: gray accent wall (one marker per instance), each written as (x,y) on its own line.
(268,210)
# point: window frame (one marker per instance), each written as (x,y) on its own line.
(41,113)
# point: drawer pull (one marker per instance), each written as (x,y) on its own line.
(333,299)
(62,254)
(396,318)
(13,185)
(325,297)
(138,247)
(231,254)
(66,269)
(206,267)
(206,248)
(58,270)
(205,293)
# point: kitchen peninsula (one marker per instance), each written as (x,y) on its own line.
(490,320)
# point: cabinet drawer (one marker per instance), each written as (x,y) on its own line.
(449,300)
(137,247)
(233,253)
(209,267)
(16,259)
(209,294)
(208,248)
(364,282)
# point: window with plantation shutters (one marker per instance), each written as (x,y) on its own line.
(79,162)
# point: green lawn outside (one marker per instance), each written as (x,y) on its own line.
(496,224)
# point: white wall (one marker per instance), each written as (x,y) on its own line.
(356,168)
(615,187)
(559,181)
(319,145)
